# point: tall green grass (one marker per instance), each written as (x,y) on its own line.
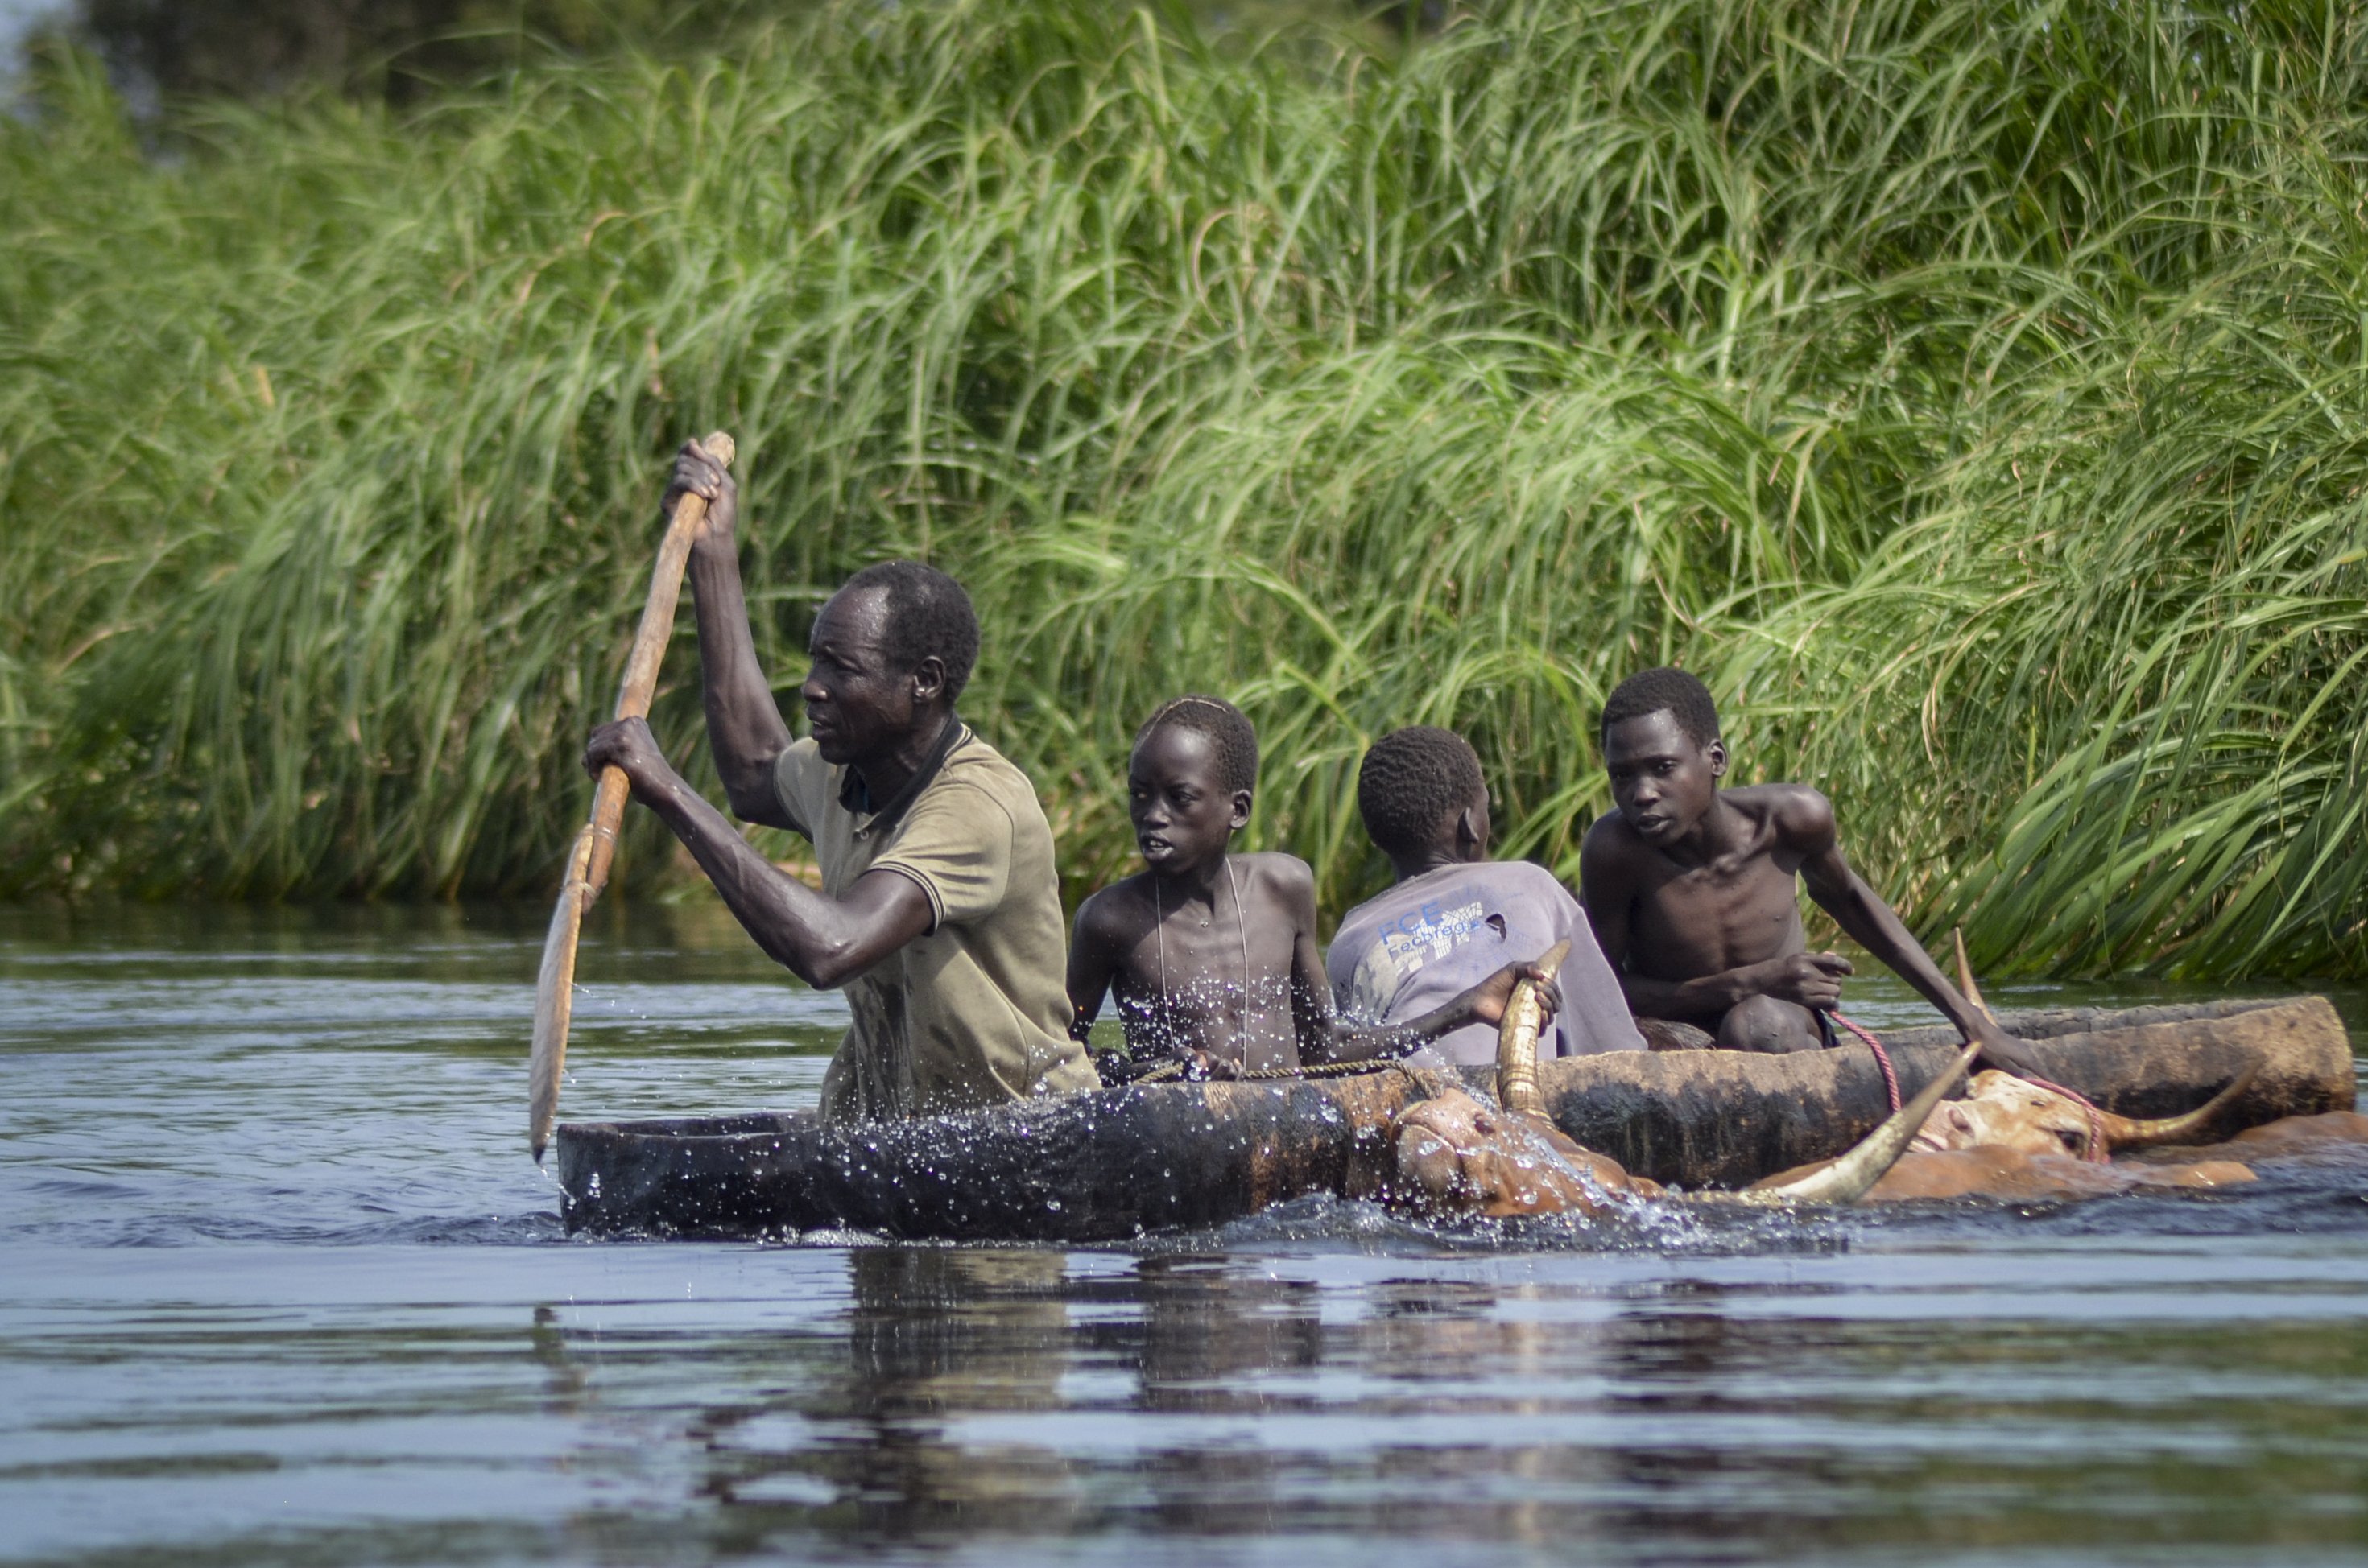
(1976,393)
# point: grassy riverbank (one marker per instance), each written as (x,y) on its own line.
(1976,396)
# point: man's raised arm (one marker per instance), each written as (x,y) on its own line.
(745,728)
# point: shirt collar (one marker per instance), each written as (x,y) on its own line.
(855,795)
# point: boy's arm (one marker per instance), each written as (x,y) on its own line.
(1321,1033)
(1092,962)
(1483,1004)
(1326,1037)
(1858,910)
(1811,980)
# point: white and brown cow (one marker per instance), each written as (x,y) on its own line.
(2014,1141)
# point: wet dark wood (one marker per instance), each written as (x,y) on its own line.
(1722,1118)
(1086,1167)
(1116,1162)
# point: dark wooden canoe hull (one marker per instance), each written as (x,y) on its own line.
(1116,1162)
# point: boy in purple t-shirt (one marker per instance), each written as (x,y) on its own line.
(1454,918)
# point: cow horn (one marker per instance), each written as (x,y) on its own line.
(1965,981)
(2139,1132)
(1848,1178)
(1516,1038)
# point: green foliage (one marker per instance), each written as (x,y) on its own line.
(1975,393)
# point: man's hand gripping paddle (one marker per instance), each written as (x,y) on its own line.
(596,847)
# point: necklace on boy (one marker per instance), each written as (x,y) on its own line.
(1241,929)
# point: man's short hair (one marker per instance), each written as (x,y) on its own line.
(1229,731)
(1413,779)
(928,615)
(1665,690)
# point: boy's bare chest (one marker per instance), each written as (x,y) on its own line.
(1219,985)
(1211,958)
(1704,919)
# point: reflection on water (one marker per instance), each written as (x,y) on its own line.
(279,1285)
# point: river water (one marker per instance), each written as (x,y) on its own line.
(279,1285)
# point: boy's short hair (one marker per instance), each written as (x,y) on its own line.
(1411,781)
(929,614)
(1229,731)
(1664,690)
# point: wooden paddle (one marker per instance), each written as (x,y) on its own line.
(596,847)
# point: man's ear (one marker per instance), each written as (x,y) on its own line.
(928,680)
(1717,755)
(1241,817)
(1467,828)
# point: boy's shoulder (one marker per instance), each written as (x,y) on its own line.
(1277,871)
(1609,839)
(1113,910)
(1503,881)
(1529,877)
(1800,813)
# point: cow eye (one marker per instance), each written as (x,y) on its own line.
(2072,1140)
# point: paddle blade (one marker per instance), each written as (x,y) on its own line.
(554,995)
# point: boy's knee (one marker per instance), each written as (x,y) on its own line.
(1765,1024)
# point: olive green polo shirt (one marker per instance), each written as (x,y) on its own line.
(975,1011)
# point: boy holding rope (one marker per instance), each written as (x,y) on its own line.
(1691,890)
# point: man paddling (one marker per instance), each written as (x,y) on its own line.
(938,911)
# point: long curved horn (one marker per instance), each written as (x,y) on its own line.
(1965,981)
(2139,1132)
(1848,1178)
(1516,1038)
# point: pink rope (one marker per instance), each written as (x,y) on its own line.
(1882,1057)
(2096,1153)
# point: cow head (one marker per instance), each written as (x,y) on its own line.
(1456,1153)
(2001,1112)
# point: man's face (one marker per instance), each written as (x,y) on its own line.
(1662,780)
(1183,816)
(857,704)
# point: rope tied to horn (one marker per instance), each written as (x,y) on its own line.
(2095,1150)
(1882,1057)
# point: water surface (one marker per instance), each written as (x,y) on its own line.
(279,1285)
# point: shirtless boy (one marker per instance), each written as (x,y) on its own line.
(1211,956)
(1691,888)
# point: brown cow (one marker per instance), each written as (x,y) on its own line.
(2000,1111)
(2012,1175)
(1456,1153)
(1458,1156)
(2013,1140)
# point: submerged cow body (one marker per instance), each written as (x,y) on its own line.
(1456,1155)
(2013,1141)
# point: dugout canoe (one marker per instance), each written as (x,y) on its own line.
(1117,1162)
